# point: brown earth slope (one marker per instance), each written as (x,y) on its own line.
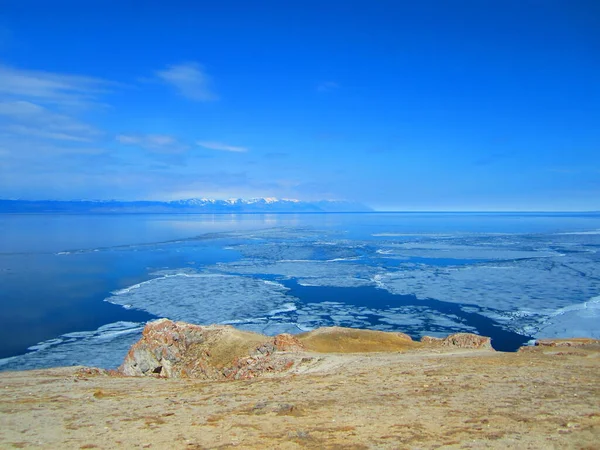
(415,396)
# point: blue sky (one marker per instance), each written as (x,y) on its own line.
(428,105)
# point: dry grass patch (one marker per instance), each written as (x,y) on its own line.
(223,349)
(348,340)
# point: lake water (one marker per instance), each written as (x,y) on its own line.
(77,289)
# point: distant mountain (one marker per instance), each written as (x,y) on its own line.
(192,205)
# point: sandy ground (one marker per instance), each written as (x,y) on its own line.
(542,399)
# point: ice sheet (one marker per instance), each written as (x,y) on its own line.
(105,347)
(581,320)
(313,273)
(203,298)
(519,280)
(519,293)
(541,285)
(415,320)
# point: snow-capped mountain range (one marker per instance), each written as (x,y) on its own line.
(192,205)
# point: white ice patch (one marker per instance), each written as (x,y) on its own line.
(46,344)
(274,328)
(354,258)
(580,233)
(437,249)
(525,278)
(415,320)
(299,317)
(519,294)
(581,320)
(179,271)
(204,298)
(105,347)
(300,249)
(334,281)
(309,273)
(285,308)
(437,235)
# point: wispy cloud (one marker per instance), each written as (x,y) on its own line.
(42,127)
(44,139)
(221,146)
(49,87)
(158,143)
(44,134)
(327,86)
(190,80)
(30,119)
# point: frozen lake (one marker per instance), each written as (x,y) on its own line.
(77,289)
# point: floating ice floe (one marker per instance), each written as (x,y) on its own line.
(308,273)
(580,233)
(301,250)
(439,250)
(105,347)
(415,320)
(537,285)
(581,320)
(502,290)
(203,298)
(516,280)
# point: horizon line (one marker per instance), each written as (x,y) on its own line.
(373,210)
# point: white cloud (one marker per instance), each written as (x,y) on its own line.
(29,119)
(221,146)
(67,90)
(37,107)
(158,143)
(19,149)
(20,109)
(44,134)
(190,80)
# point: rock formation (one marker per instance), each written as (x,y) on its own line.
(179,349)
(460,340)
(572,342)
(218,352)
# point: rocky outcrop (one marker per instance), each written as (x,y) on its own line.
(460,340)
(218,352)
(572,342)
(179,349)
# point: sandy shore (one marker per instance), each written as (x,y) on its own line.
(543,398)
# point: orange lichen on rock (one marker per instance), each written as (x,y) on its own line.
(460,340)
(178,349)
(182,350)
